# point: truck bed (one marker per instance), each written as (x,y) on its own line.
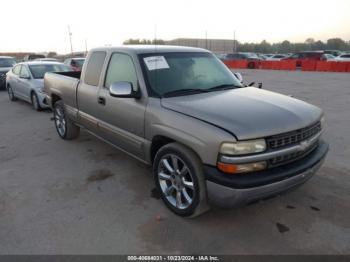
(63,84)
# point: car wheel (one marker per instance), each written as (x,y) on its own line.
(66,129)
(35,102)
(11,94)
(179,178)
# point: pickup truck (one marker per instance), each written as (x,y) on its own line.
(210,139)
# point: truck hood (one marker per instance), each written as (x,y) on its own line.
(247,113)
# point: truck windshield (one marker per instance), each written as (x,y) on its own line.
(7,62)
(167,73)
(38,71)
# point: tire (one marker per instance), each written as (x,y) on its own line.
(35,101)
(11,94)
(175,186)
(65,128)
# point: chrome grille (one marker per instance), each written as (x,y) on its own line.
(294,137)
(285,159)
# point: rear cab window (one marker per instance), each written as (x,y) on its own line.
(94,68)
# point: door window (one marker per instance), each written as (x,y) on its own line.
(94,68)
(24,72)
(121,69)
(17,69)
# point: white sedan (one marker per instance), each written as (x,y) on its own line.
(25,81)
(343,57)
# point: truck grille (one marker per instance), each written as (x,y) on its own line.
(294,137)
(285,159)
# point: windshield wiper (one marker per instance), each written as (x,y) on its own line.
(223,87)
(185,91)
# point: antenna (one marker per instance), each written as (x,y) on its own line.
(70,39)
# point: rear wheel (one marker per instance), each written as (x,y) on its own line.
(66,129)
(35,102)
(179,178)
(11,94)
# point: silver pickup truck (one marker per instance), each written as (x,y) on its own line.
(209,139)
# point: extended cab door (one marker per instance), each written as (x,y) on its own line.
(121,120)
(87,94)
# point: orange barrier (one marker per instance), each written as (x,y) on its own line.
(308,65)
(236,63)
(338,66)
(323,66)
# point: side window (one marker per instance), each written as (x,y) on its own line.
(17,69)
(94,68)
(24,72)
(121,69)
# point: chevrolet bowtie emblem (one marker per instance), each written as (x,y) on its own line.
(304,145)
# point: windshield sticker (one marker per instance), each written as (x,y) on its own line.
(156,62)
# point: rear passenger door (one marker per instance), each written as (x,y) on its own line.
(87,95)
(121,120)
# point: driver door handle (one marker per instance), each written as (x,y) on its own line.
(101,100)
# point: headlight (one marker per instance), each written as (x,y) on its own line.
(243,147)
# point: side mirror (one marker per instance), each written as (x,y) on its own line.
(123,89)
(239,77)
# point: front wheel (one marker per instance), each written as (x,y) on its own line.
(66,129)
(179,178)
(11,94)
(35,102)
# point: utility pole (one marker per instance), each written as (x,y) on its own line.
(206,40)
(70,39)
(234,42)
(86,49)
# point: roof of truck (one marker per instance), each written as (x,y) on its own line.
(146,49)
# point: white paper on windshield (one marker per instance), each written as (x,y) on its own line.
(156,62)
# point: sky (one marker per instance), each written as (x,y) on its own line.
(42,26)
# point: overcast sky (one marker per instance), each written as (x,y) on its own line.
(39,25)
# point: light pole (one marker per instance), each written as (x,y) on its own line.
(70,39)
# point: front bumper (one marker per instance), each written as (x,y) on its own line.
(239,190)
(42,100)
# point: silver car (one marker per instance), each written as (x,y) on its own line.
(26,81)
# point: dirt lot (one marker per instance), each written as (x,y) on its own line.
(85,197)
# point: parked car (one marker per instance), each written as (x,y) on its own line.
(252,58)
(308,55)
(343,57)
(46,59)
(75,63)
(277,57)
(32,57)
(6,63)
(210,139)
(26,81)
(328,57)
(335,53)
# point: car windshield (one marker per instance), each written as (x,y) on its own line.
(251,55)
(171,72)
(7,62)
(38,71)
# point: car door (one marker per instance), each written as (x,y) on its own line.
(121,120)
(24,83)
(87,95)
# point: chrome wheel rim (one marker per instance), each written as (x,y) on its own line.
(176,181)
(60,122)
